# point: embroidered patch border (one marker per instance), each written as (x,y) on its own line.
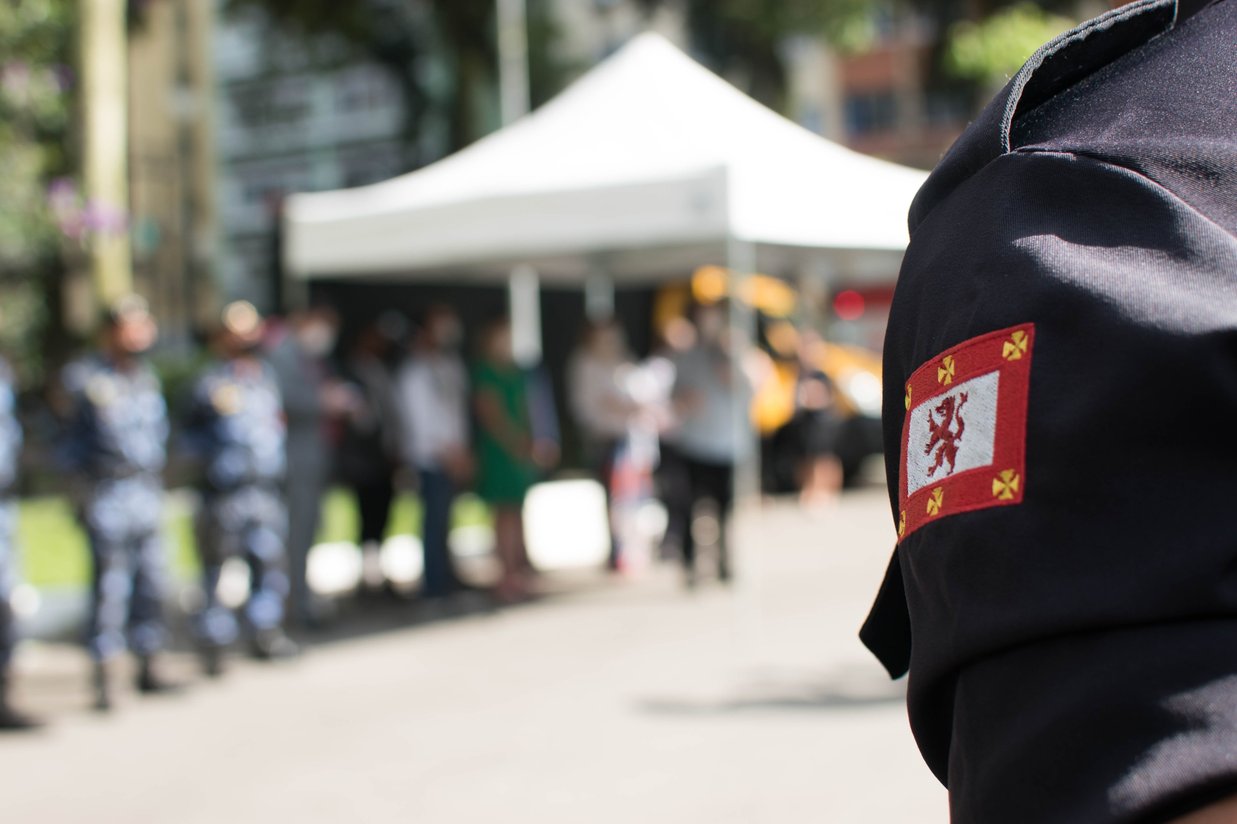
(1003,481)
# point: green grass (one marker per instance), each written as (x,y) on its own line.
(53,547)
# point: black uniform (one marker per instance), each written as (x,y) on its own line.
(1061,403)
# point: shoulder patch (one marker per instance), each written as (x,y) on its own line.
(964,435)
(226,398)
(101,390)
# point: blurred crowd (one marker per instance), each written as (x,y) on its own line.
(281,411)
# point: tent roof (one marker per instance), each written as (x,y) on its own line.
(644,160)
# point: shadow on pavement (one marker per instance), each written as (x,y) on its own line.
(838,689)
(377,613)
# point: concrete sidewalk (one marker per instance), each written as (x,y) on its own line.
(607,702)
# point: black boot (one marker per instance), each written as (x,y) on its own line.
(212,661)
(149,682)
(10,719)
(101,683)
(724,573)
(273,645)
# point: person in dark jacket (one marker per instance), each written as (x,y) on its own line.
(1060,390)
(369,450)
(313,398)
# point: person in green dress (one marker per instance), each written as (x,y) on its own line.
(509,456)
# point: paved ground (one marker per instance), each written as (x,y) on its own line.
(630,702)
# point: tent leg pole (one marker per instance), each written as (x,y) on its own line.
(599,295)
(745,514)
(524,306)
(741,262)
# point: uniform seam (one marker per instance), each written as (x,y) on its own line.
(1068,40)
(1095,157)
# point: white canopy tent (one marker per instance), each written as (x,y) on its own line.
(644,168)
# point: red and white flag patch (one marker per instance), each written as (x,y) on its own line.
(964,436)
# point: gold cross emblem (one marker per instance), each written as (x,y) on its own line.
(1006,484)
(1015,347)
(936,501)
(902,523)
(908,396)
(946,371)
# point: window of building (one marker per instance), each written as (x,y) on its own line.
(262,184)
(253,269)
(365,89)
(947,107)
(869,112)
(279,102)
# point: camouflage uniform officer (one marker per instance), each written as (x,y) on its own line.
(236,433)
(10,449)
(116,447)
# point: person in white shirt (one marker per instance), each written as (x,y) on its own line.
(601,406)
(432,397)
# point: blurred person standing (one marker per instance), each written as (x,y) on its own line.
(672,485)
(369,450)
(818,426)
(510,456)
(774,409)
(235,434)
(10,454)
(602,408)
(116,446)
(711,392)
(311,398)
(432,391)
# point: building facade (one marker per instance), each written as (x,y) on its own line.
(290,117)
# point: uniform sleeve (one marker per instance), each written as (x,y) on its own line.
(1115,574)
(194,441)
(72,448)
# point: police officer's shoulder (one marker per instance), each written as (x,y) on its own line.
(1073,93)
(77,373)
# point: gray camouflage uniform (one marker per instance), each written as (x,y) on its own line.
(116,446)
(10,452)
(236,432)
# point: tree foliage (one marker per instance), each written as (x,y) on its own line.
(989,51)
(36,103)
(35,38)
